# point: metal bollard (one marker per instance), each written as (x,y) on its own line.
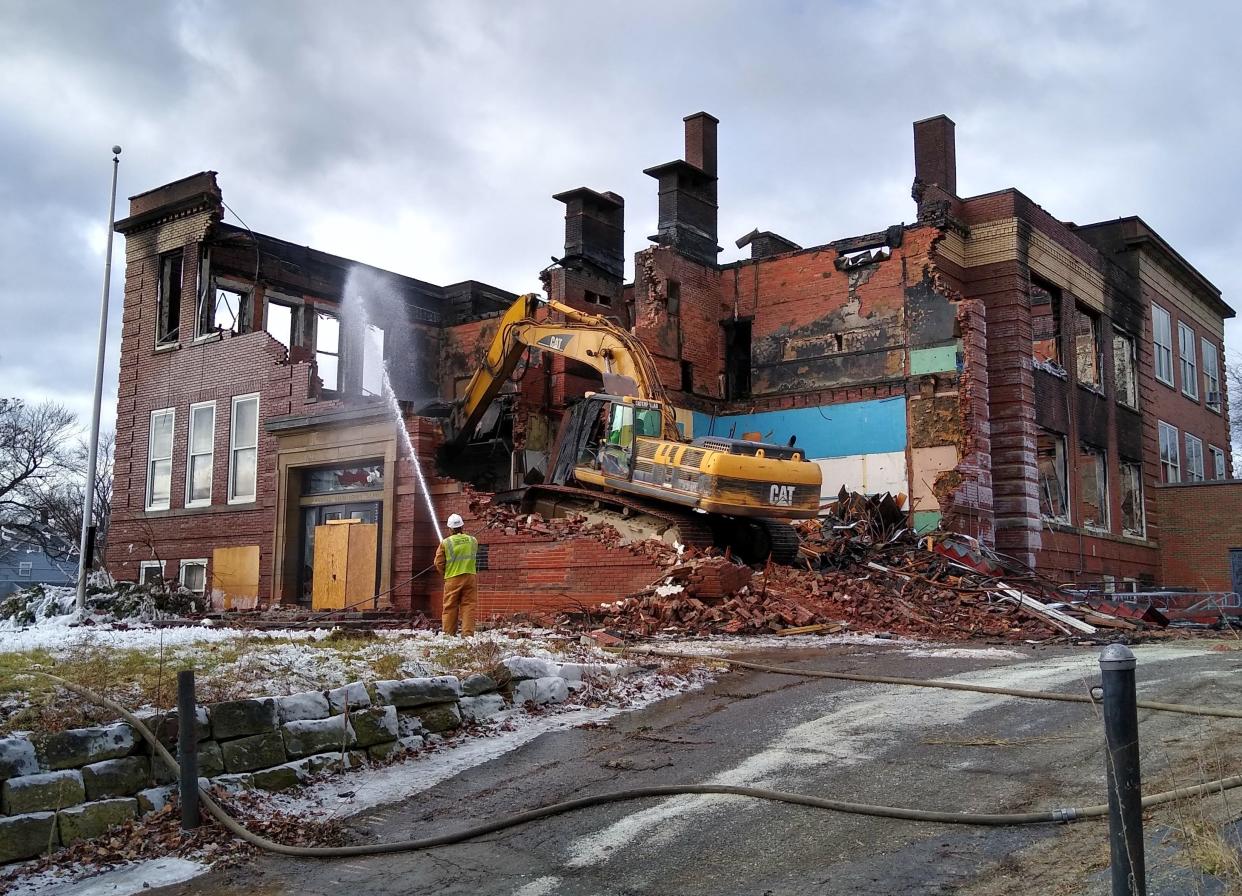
(187,749)
(1125,796)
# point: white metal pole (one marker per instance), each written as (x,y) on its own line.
(87,547)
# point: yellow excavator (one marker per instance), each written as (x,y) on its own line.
(622,448)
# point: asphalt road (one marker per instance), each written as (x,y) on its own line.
(865,743)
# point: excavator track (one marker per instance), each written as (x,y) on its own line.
(754,540)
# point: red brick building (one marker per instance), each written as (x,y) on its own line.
(1021,379)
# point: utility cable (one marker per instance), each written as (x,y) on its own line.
(1060,697)
(635,793)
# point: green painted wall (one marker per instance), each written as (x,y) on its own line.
(926,520)
(934,360)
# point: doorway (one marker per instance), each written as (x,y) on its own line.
(364,511)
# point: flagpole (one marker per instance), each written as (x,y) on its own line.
(87,547)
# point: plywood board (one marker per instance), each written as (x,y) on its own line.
(360,570)
(344,565)
(235,577)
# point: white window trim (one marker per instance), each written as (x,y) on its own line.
(1205,349)
(243,499)
(181,573)
(1155,343)
(144,565)
(1214,452)
(1162,427)
(1190,379)
(151,461)
(189,453)
(25,569)
(1191,472)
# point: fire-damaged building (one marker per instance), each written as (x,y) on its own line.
(1033,383)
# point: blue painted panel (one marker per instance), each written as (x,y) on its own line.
(835,430)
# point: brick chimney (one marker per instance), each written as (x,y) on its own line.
(935,154)
(687,217)
(595,229)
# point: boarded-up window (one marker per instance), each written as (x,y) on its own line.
(1125,369)
(1046,324)
(1132,516)
(1093,487)
(1087,346)
(1053,491)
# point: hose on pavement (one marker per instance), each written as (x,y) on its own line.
(635,793)
(1061,697)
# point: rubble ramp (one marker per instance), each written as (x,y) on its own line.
(752,540)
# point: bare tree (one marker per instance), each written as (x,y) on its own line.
(60,505)
(1233,385)
(33,454)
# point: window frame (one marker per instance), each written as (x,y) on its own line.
(173,336)
(1098,457)
(1092,318)
(1213,379)
(1162,429)
(1130,350)
(25,569)
(152,460)
(144,565)
(186,564)
(190,501)
(1137,468)
(234,448)
(1189,367)
(1220,469)
(1060,460)
(339,375)
(1193,473)
(1158,347)
(294,310)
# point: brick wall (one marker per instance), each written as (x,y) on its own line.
(1200,524)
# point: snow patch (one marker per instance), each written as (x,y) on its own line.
(122,881)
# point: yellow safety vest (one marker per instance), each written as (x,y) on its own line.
(460,552)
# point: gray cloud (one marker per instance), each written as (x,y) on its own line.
(428,138)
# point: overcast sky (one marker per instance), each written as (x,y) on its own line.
(428,138)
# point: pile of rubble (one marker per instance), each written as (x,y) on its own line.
(861,569)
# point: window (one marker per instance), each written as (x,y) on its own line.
(1218,462)
(1211,375)
(1046,325)
(328,350)
(1093,487)
(244,449)
(597,298)
(224,307)
(1162,338)
(687,376)
(168,316)
(373,371)
(199,454)
(1053,492)
(24,569)
(737,358)
(159,459)
(673,291)
(1087,346)
(331,480)
(1194,458)
(151,572)
(1133,519)
(1125,369)
(194,576)
(278,322)
(1170,454)
(1190,377)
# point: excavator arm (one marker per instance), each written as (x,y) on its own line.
(624,362)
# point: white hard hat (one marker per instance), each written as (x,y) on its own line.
(455,521)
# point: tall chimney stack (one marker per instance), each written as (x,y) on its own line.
(687,219)
(935,154)
(595,228)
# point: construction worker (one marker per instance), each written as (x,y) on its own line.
(455,560)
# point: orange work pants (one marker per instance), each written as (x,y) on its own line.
(461,595)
